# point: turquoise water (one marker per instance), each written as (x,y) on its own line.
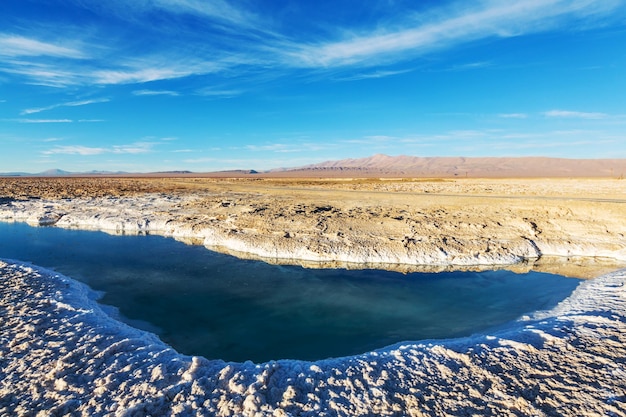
(214,305)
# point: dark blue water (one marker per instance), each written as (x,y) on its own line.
(205,303)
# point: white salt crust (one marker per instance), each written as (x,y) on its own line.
(60,354)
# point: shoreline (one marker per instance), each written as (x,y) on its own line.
(399,225)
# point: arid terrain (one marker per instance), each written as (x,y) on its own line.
(63,355)
(393,223)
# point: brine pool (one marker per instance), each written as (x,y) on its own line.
(217,306)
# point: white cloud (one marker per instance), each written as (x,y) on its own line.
(166,66)
(513,115)
(287,147)
(467,21)
(35,73)
(275,147)
(575,114)
(210,92)
(376,74)
(139,75)
(216,9)
(380,138)
(53,63)
(44,120)
(19,46)
(74,150)
(134,148)
(67,104)
(155,93)
(468,134)
(469,66)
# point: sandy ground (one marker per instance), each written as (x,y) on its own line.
(402,224)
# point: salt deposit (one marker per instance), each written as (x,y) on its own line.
(282,229)
(62,355)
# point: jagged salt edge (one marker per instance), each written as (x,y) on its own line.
(137,221)
(233,378)
(80,297)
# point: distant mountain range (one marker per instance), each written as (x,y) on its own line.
(403,165)
(467,167)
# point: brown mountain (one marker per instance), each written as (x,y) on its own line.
(384,165)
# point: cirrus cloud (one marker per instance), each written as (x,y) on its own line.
(575,114)
(74,150)
(20,46)
(446,27)
(134,148)
(67,104)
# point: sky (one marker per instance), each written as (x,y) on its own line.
(207,85)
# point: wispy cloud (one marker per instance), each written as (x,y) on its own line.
(20,46)
(74,150)
(43,120)
(50,74)
(513,115)
(216,9)
(134,148)
(288,147)
(375,74)
(544,144)
(467,21)
(67,104)
(138,75)
(575,114)
(470,66)
(113,66)
(274,147)
(167,65)
(226,93)
(234,44)
(155,93)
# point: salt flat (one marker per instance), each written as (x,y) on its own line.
(61,354)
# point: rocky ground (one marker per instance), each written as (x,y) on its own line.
(392,223)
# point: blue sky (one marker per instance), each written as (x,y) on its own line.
(152,85)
